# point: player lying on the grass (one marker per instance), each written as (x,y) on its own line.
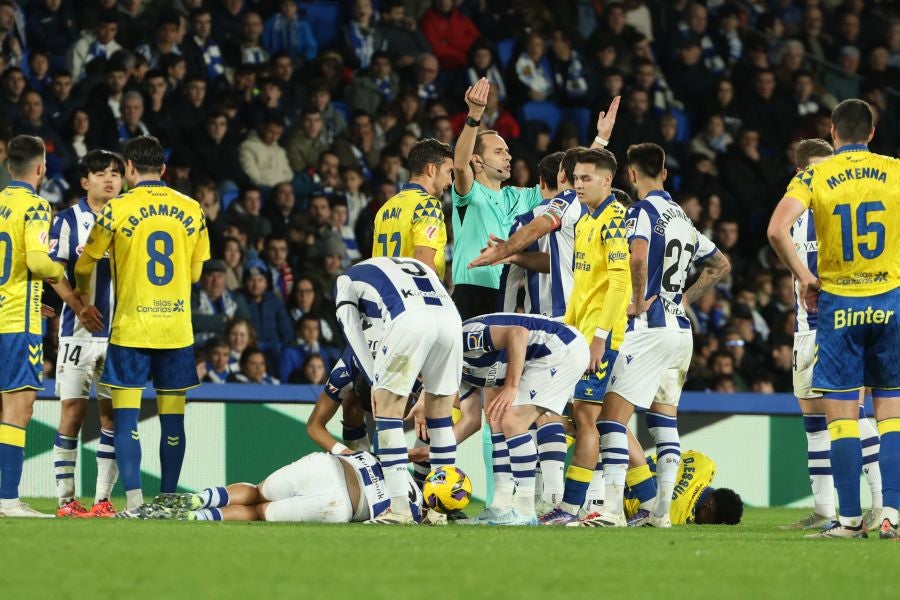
(83,352)
(318,488)
(528,365)
(694,500)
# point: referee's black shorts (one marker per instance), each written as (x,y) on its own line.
(474,300)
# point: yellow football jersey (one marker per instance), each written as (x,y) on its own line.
(695,474)
(855,199)
(24,228)
(409,219)
(153,234)
(601,257)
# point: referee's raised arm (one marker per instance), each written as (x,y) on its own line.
(464,177)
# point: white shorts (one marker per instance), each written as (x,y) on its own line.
(310,490)
(548,382)
(426,341)
(80,364)
(645,358)
(804,359)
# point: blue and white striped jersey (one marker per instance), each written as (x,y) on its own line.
(546,293)
(343,374)
(374,489)
(68,235)
(383,288)
(674,244)
(485,366)
(803,234)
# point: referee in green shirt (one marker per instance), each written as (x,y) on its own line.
(481,163)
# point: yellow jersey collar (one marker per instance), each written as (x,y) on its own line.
(152,183)
(21,184)
(413,186)
(852,148)
(603,206)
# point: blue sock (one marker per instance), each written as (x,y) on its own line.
(889,459)
(171,450)
(12,458)
(846,465)
(128,447)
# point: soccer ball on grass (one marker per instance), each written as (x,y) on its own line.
(447,490)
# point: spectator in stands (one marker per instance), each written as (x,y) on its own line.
(450,33)
(202,54)
(247,49)
(636,125)
(203,191)
(482,62)
(190,108)
(174,67)
(59,103)
(708,314)
(692,82)
(743,294)
(399,35)
(713,141)
(341,224)
(767,113)
(77,137)
(334,122)
(428,85)
(233,257)
(32,122)
(307,342)
(358,146)
(442,130)
(168,37)
(157,112)
(216,155)
(100,43)
(213,305)
(305,141)
(696,26)
(782,299)
(306,299)
(132,110)
(252,369)
(245,214)
(38,71)
(286,32)
(532,77)
(570,76)
(804,102)
(377,87)
(355,192)
(267,313)
(324,178)
(843,83)
(614,34)
(282,211)
(227,19)
(312,372)
(217,367)
(359,40)
(104,103)
(240,335)
(319,230)
(52,23)
(726,374)
(262,159)
(14,85)
(748,175)
(278,262)
(330,267)
(648,78)
(726,105)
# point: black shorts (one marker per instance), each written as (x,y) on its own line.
(474,300)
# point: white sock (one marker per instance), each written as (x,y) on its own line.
(394,458)
(818,444)
(597,490)
(442,451)
(551,444)
(65,453)
(133,499)
(107,468)
(664,430)
(871,444)
(214,497)
(423,468)
(504,485)
(523,458)
(614,453)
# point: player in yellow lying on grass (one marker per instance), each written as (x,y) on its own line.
(694,500)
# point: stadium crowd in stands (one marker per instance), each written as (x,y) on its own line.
(290,122)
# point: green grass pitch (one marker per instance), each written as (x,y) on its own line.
(96,559)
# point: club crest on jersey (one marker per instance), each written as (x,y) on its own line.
(430,232)
(630,226)
(475,340)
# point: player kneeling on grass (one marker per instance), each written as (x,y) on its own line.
(694,500)
(318,488)
(530,364)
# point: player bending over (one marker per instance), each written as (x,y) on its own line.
(82,353)
(422,335)
(318,488)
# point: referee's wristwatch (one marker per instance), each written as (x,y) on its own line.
(473,122)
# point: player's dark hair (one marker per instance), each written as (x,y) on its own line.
(623,197)
(22,151)
(648,159)
(96,161)
(601,158)
(214,343)
(853,120)
(570,159)
(479,141)
(548,168)
(146,153)
(427,152)
(729,506)
(812,148)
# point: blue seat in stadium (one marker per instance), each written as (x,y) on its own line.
(324,19)
(342,108)
(505,50)
(581,119)
(546,112)
(684,134)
